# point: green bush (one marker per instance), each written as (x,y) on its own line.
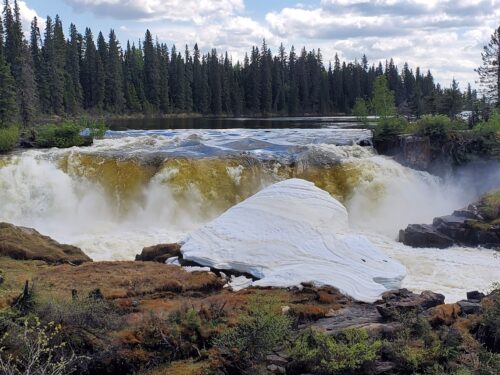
(258,331)
(434,126)
(67,134)
(320,353)
(9,137)
(492,126)
(389,127)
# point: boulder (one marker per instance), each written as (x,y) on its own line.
(469,307)
(475,225)
(395,303)
(27,244)
(475,295)
(159,253)
(422,235)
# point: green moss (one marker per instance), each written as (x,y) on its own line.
(490,205)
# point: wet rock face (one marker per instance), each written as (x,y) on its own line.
(27,244)
(476,225)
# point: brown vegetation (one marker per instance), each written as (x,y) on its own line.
(27,243)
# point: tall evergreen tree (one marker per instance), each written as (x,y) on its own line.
(8,105)
(489,72)
(73,96)
(151,72)
(114,99)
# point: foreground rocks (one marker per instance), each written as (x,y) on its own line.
(475,225)
(28,244)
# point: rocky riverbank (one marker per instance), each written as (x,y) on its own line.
(436,154)
(478,224)
(146,317)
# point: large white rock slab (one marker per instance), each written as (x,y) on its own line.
(293,232)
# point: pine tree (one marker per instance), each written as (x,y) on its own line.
(151,72)
(114,99)
(164,74)
(8,105)
(265,79)
(131,98)
(55,58)
(73,89)
(489,72)
(197,80)
(13,38)
(214,77)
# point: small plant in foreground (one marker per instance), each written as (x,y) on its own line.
(34,349)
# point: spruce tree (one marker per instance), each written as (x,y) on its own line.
(73,98)
(8,105)
(151,72)
(489,72)
(114,100)
(265,79)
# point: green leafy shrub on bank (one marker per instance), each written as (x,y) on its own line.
(319,353)
(9,137)
(389,127)
(489,127)
(258,331)
(69,133)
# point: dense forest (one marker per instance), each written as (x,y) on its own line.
(69,74)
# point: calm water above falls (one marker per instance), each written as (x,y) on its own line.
(142,187)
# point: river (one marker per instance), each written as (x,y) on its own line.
(154,181)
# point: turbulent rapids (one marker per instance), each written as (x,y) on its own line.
(140,188)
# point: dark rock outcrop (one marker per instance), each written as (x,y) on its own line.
(27,244)
(159,253)
(476,225)
(437,153)
(397,302)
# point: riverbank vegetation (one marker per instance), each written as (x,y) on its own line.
(150,318)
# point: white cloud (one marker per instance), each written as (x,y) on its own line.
(197,11)
(27,15)
(445,36)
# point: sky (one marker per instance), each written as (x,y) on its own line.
(445,36)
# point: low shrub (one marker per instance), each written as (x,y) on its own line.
(9,137)
(262,328)
(67,134)
(87,313)
(489,127)
(417,348)
(438,126)
(389,127)
(319,353)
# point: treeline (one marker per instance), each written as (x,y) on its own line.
(67,75)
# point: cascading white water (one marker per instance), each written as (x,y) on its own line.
(382,196)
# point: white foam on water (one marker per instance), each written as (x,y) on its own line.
(292,232)
(35,192)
